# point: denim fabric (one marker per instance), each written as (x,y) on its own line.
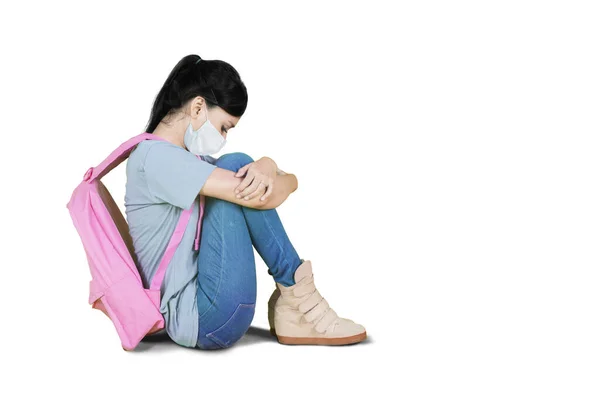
(226,285)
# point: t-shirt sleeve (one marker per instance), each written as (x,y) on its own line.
(174,175)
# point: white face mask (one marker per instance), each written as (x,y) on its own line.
(206,140)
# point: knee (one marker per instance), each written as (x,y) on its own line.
(234,328)
(233,161)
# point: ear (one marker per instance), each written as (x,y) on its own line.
(198,105)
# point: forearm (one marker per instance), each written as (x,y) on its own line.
(285,184)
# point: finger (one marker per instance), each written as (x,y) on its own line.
(260,190)
(267,193)
(250,189)
(244,185)
(269,189)
(242,171)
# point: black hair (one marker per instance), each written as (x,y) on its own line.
(215,80)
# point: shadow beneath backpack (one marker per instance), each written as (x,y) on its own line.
(162,342)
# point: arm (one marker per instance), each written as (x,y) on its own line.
(285,184)
(221,184)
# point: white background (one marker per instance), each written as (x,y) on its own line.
(447,158)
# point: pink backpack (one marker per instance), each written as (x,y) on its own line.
(116,287)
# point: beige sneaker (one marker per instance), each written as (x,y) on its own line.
(298,314)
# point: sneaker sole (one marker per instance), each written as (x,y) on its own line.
(323,341)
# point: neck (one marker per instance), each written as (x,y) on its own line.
(174,131)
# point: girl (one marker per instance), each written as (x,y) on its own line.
(208,295)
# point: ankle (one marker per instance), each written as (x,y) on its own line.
(288,279)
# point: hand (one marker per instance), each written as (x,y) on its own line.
(259,180)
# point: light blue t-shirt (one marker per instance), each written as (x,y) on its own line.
(162,180)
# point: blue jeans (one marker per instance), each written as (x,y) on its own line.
(226,269)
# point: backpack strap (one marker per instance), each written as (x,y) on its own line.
(171,247)
(118,156)
(176,239)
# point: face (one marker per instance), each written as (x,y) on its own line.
(221,120)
